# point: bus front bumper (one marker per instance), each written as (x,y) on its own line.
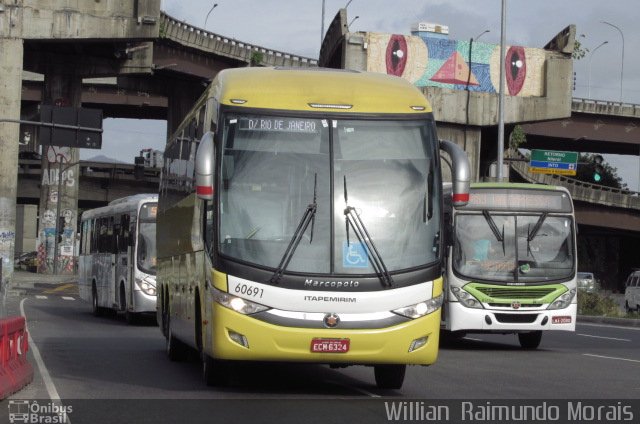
(268,342)
(461,318)
(143,302)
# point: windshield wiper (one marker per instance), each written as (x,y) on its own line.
(351,218)
(537,227)
(494,229)
(309,217)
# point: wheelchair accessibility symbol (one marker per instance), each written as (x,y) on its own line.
(354,255)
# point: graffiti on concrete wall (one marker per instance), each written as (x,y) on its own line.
(7,237)
(440,62)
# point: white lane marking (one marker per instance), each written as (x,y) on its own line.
(611,357)
(621,327)
(48,382)
(44,372)
(40,297)
(471,338)
(68,298)
(602,337)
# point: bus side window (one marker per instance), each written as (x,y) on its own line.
(208,227)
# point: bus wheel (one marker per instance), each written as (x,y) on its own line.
(530,340)
(389,376)
(131,317)
(215,372)
(176,350)
(97,310)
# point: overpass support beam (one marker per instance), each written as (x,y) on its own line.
(59,184)
(11,53)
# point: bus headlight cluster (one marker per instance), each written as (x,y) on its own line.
(466,298)
(237,304)
(148,287)
(420,309)
(563,300)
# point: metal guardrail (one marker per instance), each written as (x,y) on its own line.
(580,190)
(603,107)
(198,38)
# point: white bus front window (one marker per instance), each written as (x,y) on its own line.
(146,253)
(481,253)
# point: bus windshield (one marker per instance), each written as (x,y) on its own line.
(273,167)
(513,248)
(146,250)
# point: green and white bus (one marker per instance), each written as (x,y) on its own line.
(512,262)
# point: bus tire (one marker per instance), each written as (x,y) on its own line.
(530,340)
(176,350)
(389,376)
(627,307)
(215,372)
(131,317)
(97,310)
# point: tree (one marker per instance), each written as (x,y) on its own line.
(579,52)
(587,168)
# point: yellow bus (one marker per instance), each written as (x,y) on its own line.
(300,220)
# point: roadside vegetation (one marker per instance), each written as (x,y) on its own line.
(599,304)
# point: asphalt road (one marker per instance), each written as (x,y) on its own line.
(103,367)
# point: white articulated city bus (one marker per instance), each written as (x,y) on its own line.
(117,263)
(512,262)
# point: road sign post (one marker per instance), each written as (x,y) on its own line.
(553,162)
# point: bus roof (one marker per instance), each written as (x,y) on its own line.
(296,89)
(123,204)
(518,185)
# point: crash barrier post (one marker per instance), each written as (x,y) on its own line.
(15,371)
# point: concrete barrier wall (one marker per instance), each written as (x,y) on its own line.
(15,371)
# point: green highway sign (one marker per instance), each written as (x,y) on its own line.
(553,162)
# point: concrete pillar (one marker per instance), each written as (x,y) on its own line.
(60,173)
(11,53)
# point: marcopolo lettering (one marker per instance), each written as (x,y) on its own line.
(331,284)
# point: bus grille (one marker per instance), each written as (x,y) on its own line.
(515,293)
(516,318)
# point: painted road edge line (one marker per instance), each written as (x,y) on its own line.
(611,357)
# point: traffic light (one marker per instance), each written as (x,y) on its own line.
(598,169)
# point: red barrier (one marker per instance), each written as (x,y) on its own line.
(15,371)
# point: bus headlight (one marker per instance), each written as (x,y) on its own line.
(466,298)
(420,309)
(563,300)
(147,287)
(237,304)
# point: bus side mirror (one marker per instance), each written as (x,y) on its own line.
(205,166)
(460,173)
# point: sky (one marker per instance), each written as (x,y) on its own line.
(295,27)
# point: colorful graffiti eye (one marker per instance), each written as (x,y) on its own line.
(516,69)
(396,57)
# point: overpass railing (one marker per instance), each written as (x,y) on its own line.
(603,107)
(580,190)
(198,38)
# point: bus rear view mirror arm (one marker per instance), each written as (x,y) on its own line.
(461,172)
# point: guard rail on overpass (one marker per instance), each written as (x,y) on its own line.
(580,190)
(603,107)
(200,39)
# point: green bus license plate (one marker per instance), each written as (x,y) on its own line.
(329,345)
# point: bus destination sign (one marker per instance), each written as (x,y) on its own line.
(287,125)
(553,162)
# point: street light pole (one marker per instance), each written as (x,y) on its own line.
(205,19)
(503,31)
(352,21)
(590,59)
(622,64)
(58,202)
